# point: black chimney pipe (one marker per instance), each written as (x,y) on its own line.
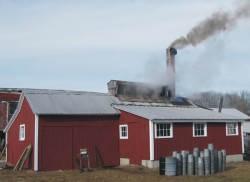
(171,52)
(220,104)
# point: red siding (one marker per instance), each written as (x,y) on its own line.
(183,140)
(61,137)
(136,147)
(16,147)
(9,96)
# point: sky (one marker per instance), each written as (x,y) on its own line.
(82,45)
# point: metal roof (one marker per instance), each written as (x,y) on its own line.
(11,90)
(231,111)
(179,114)
(57,102)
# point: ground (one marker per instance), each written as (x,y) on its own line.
(234,172)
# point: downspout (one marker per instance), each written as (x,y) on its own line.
(6,144)
(36,143)
(151,140)
(242,138)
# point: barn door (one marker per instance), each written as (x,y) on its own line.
(109,145)
(56,150)
(134,143)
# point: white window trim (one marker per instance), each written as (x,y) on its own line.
(20,129)
(120,131)
(237,129)
(171,131)
(205,130)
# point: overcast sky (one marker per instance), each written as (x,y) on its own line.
(82,45)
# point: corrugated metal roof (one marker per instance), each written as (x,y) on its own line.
(231,111)
(52,102)
(180,114)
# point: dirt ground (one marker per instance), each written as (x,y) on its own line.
(234,172)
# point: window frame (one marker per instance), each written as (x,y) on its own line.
(204,128)
(236,129)
(22,132)
(120,131)
(171,130)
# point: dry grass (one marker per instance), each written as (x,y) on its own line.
(235,172)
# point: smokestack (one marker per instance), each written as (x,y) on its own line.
(171,52)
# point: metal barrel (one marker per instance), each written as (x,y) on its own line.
(201,166)
(216,161)
(210,146)
(207,163)
(196,154)
(201,154)
(220,156)
(212,160)
(170,166)
(174,153)
(196,149)
(190,168)
(162,166)
(179,164)
(224,155)
(184,162)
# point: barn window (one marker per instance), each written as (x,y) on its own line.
(123,131)
(12,107)
(199,129)
(22,132)
(232,129)
(163,130)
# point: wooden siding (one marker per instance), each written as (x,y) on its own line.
(61,137)
(136,147)
(9,96)
(15,146)
(183,140)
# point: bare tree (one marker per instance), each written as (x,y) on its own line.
(239,100)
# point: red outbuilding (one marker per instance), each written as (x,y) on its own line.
(58,124)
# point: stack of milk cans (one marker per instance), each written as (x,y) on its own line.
(209,161)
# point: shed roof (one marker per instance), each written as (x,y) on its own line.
(59,102)
(180,114)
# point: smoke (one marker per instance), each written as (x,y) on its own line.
(218,22)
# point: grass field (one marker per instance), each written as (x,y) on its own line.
(234,172)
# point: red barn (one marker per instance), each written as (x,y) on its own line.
(58,124)
(8,102)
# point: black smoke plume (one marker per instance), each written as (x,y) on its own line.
(218,22)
